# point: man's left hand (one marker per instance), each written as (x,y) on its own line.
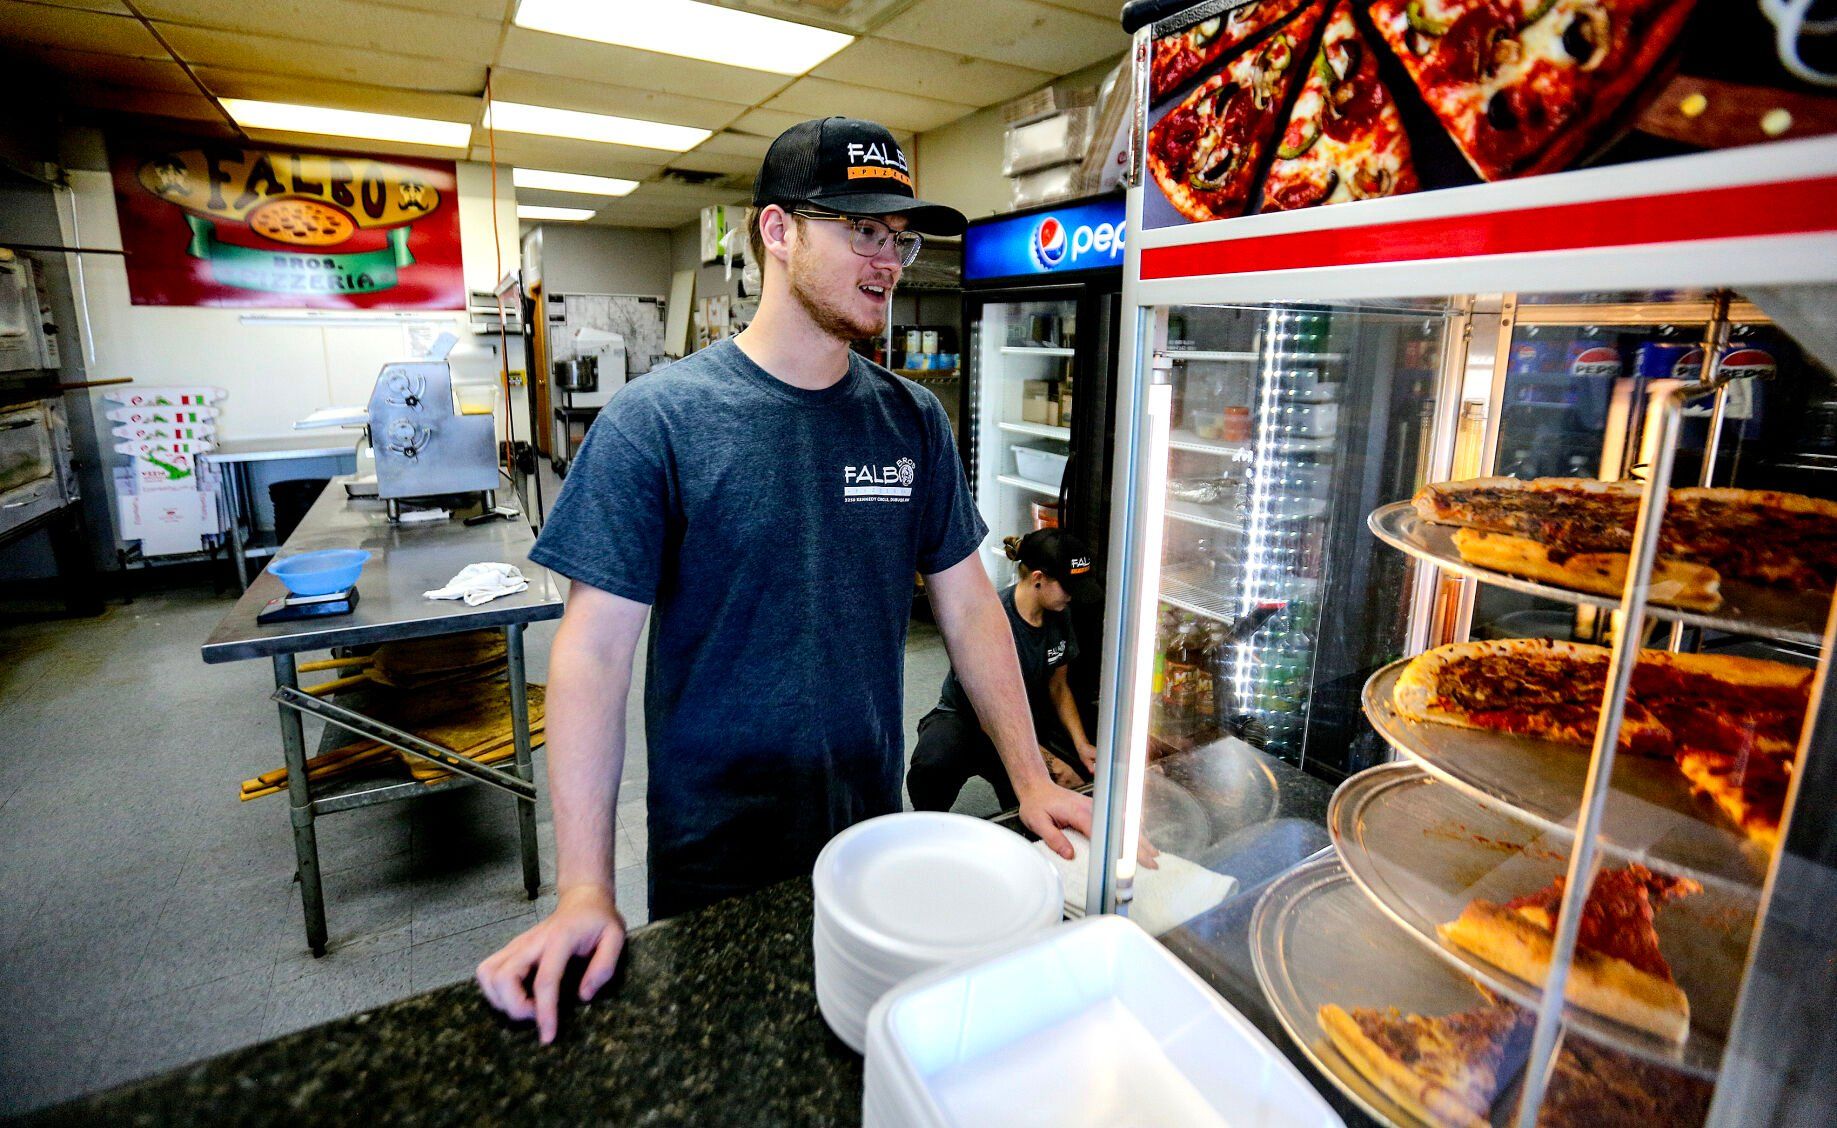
(1049,810)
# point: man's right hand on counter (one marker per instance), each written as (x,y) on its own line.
(585,923)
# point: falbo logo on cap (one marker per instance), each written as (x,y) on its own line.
(1049,243)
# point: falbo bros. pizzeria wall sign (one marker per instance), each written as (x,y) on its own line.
(210,223)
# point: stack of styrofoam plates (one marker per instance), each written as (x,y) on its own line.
(902,894)
(1092,1024)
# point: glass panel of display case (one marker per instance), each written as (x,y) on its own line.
(1409,850)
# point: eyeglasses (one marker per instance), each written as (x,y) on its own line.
(867,236)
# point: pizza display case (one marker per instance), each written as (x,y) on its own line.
(1289,381)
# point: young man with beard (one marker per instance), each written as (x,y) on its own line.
(764,503)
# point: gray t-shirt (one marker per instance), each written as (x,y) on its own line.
(775,531)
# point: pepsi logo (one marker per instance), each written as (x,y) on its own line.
(1739,364)
(1049,243)
(1597,361)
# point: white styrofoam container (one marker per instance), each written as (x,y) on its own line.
(1043,466)
(1089,1023)
(1048,141)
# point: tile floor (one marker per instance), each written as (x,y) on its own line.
(148,918)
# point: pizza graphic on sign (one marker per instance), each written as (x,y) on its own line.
(213,223)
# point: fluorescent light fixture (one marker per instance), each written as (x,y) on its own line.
(515,117)
(542,211)
(571,182)
(688,29)
(348,123)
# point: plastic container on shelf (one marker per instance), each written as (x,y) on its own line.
(1043,466)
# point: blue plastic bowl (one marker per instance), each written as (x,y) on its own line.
(320,573)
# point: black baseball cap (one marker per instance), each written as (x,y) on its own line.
(849,166)
(1065,558)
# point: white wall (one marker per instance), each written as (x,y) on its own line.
(573,259)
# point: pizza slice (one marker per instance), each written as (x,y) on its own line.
(1523,85)
(1180,56)
(1618,970)
(1546,689)
(1442,1069)
(1577,533)
(1345,140)
(1750,790)
(1593,1086)
(1205,153)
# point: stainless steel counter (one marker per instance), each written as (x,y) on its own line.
(406,561)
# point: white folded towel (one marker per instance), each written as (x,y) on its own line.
(482,583)
(1165,898)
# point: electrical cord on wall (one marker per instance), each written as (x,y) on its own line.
(497,250)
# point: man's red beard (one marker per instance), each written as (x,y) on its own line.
(837,321)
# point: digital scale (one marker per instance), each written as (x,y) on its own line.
(290,607)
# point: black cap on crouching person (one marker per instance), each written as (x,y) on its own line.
(849,166)
(1061,556)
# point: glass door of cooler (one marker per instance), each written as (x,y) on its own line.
(1023,380)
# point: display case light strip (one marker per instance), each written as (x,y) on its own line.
(1259,565)
(1160,409)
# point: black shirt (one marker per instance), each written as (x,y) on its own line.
(1041,650)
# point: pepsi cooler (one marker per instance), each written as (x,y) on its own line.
(1042,289)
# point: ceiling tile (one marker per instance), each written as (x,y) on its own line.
(547,199)
(93,66)
(241,51)
(947,76)
(724,163)
(766,123)
(558,154)
(595,97)
(1019,32)
(853,16)
(76,30)
(227,83)
(1110,10)
(493,10)
(816,97)
(729,143)
(646,70)
(102,96)
(113,7)
(354,145)
(346,23)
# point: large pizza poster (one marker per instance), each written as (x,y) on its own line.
(1276,105)
(215,223)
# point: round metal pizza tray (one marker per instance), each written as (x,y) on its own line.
(1422,850)
(1746,610)
(1651,815)
(1315,939)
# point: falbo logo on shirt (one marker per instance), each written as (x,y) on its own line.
(866,482)
(1055,652)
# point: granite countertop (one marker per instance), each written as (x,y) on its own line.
(712,1019)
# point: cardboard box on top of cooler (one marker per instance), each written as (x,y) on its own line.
(165,498)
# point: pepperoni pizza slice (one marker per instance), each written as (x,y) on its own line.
(1180,56)
(1523,85)
(1345,139)
(1206,152)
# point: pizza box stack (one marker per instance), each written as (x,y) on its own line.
(165,498)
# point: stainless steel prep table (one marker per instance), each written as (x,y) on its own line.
(238,500)
(406,561)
